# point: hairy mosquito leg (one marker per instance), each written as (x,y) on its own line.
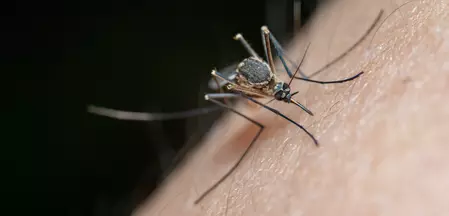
(212,98)
(245,44)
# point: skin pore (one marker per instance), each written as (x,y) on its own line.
(384,137)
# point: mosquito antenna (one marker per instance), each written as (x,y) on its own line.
(300,63)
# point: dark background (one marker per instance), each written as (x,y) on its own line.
(131,55)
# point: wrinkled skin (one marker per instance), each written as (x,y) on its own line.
(384,137)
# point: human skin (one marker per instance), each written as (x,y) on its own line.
(383,137)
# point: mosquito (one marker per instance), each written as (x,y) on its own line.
(256,78)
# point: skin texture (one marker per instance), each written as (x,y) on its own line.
(384,137)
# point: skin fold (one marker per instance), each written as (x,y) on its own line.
(384,138)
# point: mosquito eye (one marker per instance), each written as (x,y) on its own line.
(285,86)
(279,95)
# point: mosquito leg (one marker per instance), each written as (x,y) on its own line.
(280,52)
(220,89)
(268,36)
(331,82)
(236,87)
(266,107)
(212,98)
(229,72)
(267,47)
(264,42)
(245,44)
(143,116)
(299,66)
(317,81)
(283,116)
(269,101)
(218,84)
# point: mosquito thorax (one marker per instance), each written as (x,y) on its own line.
(255,71)
(282,91)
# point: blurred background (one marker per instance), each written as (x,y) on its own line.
(141,56)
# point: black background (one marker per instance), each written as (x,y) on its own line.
(132,55)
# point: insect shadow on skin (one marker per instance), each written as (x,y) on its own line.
(256,78)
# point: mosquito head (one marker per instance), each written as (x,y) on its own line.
(282,92)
